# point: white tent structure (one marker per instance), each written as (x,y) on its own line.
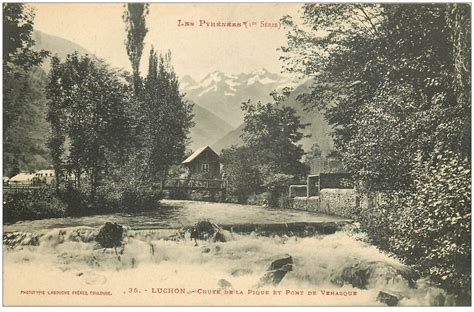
(22,178)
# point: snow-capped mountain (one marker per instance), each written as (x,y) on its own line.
(223,93)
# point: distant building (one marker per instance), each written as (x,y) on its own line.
(44,176)
(22,178)
(204,163)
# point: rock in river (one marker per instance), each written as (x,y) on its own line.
(372,274)
(277,270)
(388,298)
(206,229)
(110,235)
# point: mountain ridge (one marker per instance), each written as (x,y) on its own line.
(224,93)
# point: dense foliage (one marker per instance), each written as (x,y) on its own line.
(159,120)
(270,157)
(365,67)
(112,136)
(17,41)
(87,103)
(394,82)
(23,99)
(432,232)
(167,117)
(241,172)
(31,205)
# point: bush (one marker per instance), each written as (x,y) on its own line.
(32,205)
(120,196)
(241,172)
(433,231)
(77,203)
(278,186)
(378,214)
(429,226)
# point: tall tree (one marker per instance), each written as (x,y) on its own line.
(22,96)
(135,25)
(86,108)
(271,155)
(391,75)
(168,117)
(272,132)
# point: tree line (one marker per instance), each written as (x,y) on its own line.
(393,80)
(113,135)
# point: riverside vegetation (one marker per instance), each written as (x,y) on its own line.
(394,82)
(392,79)
(113,135)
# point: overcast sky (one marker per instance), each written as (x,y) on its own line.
(195,50)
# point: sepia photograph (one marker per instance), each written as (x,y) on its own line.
(236,154)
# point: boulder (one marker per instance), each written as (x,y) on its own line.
(110,235)
(370,274)
(277,271)
(223,236)
(388,298)
(206,229)
(203,230)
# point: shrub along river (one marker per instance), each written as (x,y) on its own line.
(265,257)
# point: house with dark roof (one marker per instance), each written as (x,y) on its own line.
(204,163)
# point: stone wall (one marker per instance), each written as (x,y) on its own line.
(306,203)
(339,202)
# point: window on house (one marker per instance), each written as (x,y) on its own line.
(205,168)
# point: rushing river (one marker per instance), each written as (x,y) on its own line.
(57,261)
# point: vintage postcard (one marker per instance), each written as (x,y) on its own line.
(236,154)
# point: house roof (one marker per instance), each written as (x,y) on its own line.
(22,177)
(196,154)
